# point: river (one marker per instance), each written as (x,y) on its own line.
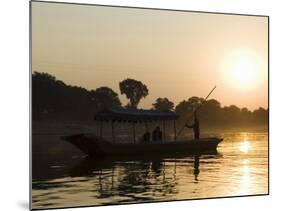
(240,167)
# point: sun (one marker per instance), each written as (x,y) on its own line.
(241,70)
(244,71)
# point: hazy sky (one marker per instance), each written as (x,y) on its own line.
(176,54)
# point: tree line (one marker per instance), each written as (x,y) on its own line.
(53,99)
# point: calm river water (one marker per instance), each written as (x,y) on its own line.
(239,168)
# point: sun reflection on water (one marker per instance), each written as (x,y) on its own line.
(245,178)
(245,145)
(245,169)
(245,161)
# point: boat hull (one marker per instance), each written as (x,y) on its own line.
(96,146)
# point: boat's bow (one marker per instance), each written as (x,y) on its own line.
(88,143)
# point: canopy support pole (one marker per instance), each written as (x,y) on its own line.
(175,130)
(134,132)
(146,127)
(101,128)
(112,131)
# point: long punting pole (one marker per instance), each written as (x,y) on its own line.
(196,109)
(164,131)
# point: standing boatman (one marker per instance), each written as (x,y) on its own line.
(195,126)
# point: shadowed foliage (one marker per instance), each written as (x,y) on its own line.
(163,104)
(105,98)
(53,99)
(211,113)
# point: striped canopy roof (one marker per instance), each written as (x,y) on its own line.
(134,115)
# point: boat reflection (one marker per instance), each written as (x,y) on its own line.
(129,176)
(156,164)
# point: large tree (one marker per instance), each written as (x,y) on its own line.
(163,104)
(134,91)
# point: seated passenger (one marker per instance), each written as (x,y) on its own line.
(157,134)
(147,137)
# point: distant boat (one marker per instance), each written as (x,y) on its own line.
(95,145)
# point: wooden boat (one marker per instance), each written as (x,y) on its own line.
(94,145)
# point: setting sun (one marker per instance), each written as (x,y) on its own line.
(242,70)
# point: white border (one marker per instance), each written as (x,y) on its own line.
(14,86)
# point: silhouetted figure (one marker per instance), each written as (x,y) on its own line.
(157,134)
(195,126)
(154,135)
(160,134)
(196,166)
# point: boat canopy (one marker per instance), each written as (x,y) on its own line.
(134,115)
